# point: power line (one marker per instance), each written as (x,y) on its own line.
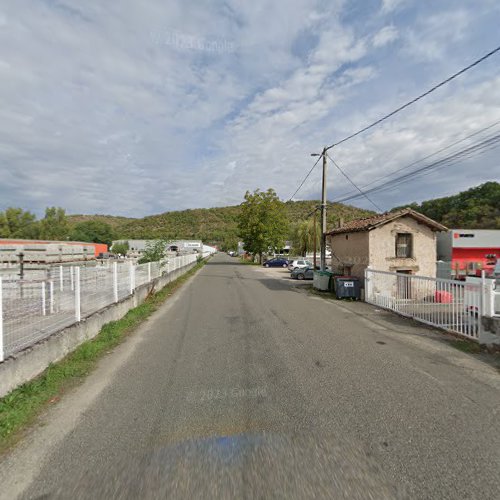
(352,182)
(305,179)
(490,143)
(429,155)
(463,154)
(421,96)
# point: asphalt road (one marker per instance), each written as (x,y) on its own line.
(247,385)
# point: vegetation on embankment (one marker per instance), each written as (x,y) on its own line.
(20,408)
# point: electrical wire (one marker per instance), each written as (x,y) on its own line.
(418,98)
(428,156)
(352,182)
(452,159)
(466,153)
(305,179)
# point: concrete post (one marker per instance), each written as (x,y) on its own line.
(61,278)
(72,277)
(368,291)
(78,312)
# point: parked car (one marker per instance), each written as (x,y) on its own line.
(276,262)
(299,264)
(302,273)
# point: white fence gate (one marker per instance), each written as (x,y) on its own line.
(452,305)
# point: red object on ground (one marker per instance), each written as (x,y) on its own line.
(443,297)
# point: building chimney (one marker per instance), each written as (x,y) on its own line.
(341,222)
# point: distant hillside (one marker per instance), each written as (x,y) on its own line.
(114,221)
(209,224)
(476,208)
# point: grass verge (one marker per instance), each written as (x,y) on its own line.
(248,262)
(19,408)
(466,346)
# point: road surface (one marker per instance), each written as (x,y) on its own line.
(247,385)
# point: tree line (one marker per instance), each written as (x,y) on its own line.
(475,208)
(264,226)
(17,223)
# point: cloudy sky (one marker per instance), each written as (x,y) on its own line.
(137,107)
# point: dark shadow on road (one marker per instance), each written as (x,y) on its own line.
(226,263)
(279,285)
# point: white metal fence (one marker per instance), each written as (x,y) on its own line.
(456,306)
(31,310)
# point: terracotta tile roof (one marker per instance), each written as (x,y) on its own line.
(370,223)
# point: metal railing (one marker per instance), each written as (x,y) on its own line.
(31,310)
(455,306)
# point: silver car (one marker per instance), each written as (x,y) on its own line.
(302,273)
(299,264)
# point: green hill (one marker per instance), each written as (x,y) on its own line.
(209,224)
(476,208)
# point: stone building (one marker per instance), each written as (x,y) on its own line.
(403,241)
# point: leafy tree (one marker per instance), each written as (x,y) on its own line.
(18,223)
(4,226)
(229,242)
(155,251)
(93,231)
(54,226)
(263,223)
(303,235)
(120,248)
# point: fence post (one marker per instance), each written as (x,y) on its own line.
(51,297)
(61,278)
(115,281)
(1,322)
(72,277)
(43,298)
(78,312)
(149,272)
(481,304)
(132,278)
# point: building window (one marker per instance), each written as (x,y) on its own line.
(403,245)
(347,270)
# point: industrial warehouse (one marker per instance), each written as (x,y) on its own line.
(12,251)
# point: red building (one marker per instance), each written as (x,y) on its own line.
(469,250)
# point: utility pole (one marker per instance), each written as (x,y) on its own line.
(323,211)
(323,215)
(315,237)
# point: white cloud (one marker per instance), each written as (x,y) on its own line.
(391,5)
(432,35)
(385,36)
(135,108)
